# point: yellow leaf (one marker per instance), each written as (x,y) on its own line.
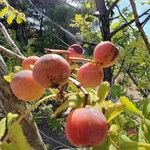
(88,5)
(4,11)
(129,106)
(78,17)
(20,18)
(9,77)
(10,17)
(113,111)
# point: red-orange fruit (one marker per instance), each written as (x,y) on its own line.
(24,86)
(51,70)
(86,127)
(27,62)
(106,54)
(90,75)
(75,51)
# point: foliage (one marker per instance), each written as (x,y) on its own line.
(11,13)
(8,129)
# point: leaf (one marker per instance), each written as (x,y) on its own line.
(78,17)
(93,96)
(9,77)
(127,144)
(17,138)
(114,111)
(129,106)
(146,108)
(20,18)
(4,11)
(144,131)
(73,101)
(10,17)
(103,90)
(10,118)
(88,5)
(2,127)
(104,146)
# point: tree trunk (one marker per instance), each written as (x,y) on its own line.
(105,31)
(9,103)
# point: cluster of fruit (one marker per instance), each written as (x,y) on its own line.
(84,126)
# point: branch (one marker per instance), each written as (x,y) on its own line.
(127,24)
(8,53)
(112,6)
(124,17)
(145,20)
(139,26)
(9,40)
(136,83)
(69,35)
(119,71)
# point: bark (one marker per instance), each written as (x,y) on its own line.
(9,103)
(105,31)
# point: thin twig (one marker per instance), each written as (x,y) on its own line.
(145,20)
(113,5)
(127,24)
(53,140)
(59,39)
(123,17)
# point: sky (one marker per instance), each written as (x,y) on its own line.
(140,9)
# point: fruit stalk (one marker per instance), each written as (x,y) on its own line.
(78,85)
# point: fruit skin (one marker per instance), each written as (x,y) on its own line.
(86,127)
(24,86)
(106,54)
(29,61)
(75,51)
(51,70)
(90,75)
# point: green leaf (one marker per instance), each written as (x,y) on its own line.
(9,77)
(144,131)
(4,11)
(114,111)
(2,127)
(104,146)
(129,106)
(146,108)
(10,118)
(17,138)
(10,17)
(103,90)
(127,144)
(73,101)
(93,96)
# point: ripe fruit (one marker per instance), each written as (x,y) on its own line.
(51,70)
(26,63)
(75,51)
(106,54)
(90,75)
(86,127)
(24,86)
